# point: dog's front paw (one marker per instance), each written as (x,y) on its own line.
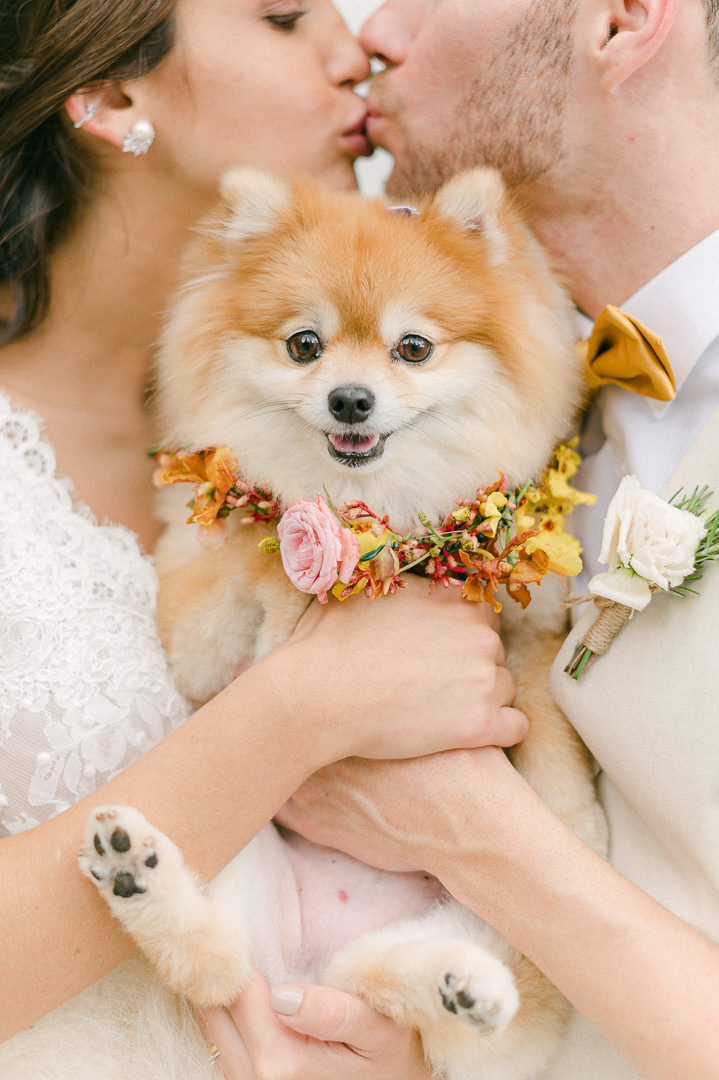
(124,855)
(197,951)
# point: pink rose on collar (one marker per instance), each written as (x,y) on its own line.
(317,551)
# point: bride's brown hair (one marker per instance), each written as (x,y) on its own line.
(48,50)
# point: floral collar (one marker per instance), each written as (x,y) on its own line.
(503,537)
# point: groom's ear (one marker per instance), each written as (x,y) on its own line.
(630,33)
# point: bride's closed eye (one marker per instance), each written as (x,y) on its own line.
(285,20)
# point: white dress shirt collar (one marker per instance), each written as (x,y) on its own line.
(681,305)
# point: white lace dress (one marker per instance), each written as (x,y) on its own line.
(84,686)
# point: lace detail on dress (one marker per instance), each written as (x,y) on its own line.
(84,685)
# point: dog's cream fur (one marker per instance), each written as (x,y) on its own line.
(498,392)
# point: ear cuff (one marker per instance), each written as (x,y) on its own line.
(91,110)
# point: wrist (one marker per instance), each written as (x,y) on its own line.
(487,835)
(295,699)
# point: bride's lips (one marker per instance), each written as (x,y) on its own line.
(356,139)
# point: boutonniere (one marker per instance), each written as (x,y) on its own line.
(650,545)
(504,537)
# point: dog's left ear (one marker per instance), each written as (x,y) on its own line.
(253,202)
(477,200)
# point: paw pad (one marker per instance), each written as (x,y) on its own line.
(126,885)
(119,852)
(120,841)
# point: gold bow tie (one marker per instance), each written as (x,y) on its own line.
(621,350)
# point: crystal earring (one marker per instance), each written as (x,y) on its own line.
(91,110)
(139,139)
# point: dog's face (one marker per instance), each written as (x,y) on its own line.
(397,358)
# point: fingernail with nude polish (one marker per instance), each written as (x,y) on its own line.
(286,999)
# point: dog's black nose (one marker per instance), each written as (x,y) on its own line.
(351,404)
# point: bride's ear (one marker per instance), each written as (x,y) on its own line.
(108,113)
(631,32)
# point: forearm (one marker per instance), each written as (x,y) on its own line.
(647,981)
(211,785)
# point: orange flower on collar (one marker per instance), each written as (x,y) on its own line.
(214,473)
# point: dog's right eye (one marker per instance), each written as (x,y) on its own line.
(414,349)
(304,346)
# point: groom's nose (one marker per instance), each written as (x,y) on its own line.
(388,33)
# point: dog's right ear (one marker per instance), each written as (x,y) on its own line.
(253,200)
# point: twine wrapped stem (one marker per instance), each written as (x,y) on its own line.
(597,639)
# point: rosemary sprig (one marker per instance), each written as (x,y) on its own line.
(708,550)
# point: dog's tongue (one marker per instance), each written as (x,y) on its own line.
(353,444)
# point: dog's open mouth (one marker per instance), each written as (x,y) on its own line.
(354,450)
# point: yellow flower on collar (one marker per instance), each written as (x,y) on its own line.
(491,509)
(562,550)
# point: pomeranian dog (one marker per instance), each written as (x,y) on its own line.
(399,359)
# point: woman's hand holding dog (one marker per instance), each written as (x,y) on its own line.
(312,1031)
(402,676)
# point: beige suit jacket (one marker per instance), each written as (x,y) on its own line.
(649,711)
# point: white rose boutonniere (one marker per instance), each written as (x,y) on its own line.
(646,542)
(649,545)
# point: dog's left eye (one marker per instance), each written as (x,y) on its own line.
(304,346)
(414,349)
